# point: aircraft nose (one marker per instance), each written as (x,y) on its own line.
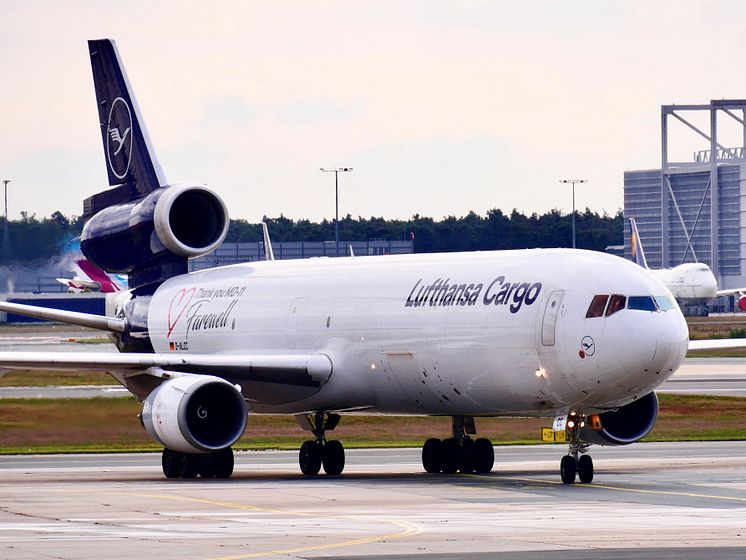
(666,335)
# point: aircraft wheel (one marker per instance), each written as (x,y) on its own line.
(484,455)
(585,469)
(432,455)
(189,465)
(208,465)
(170,463)
(310,457)
(450,453)
(333,457)
(568,467)
(466,456)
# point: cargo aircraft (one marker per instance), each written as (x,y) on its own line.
(687,281)
(578,336)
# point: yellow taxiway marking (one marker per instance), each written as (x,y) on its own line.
(620,488)
(408,529)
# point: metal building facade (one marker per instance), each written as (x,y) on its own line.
(693,211)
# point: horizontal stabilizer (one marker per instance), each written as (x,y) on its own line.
(72,317)
(717,343)
(293,369)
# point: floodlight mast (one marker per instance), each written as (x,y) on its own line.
(336,171)
(574,182)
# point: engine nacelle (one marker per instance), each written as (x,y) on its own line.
(175,222)
(627,424)
(195,414)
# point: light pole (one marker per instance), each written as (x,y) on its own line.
(6,238)
(336,171)
(574,182)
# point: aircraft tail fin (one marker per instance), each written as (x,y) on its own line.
(638,254)
(268,252)
(131,164)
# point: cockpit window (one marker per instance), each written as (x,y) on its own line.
(616,303)
(596,309)
(664,303)
(643,303)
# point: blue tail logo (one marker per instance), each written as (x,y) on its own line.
(118,142)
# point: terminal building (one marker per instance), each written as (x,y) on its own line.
(693,211)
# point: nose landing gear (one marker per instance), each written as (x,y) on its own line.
(315,453)
(576,462)
(459,453)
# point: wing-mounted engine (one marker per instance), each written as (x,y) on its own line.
(625,425)
(195,414)
(151,239)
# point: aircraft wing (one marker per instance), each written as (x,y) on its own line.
(717,343)
(89,320)
(732,292)
(291,369)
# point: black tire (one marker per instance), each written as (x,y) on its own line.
(170,463)
(224,463)
(450,456)
(466,456)
(484,456)
(189,465)
(207,465)
(333,457)
(585,469)
(568,467)
(309,458)
(432,455)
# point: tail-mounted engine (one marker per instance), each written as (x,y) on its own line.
(627,424)
(152,238)
(195,414)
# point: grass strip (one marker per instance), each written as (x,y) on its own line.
(111,425)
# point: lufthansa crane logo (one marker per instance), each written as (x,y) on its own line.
(587,346)
(119,138)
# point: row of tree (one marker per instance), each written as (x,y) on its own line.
(32,239)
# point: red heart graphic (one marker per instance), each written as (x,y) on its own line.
(181,306)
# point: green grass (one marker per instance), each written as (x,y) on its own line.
(111,425)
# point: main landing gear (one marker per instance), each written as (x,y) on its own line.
(576,462)
(177,464)
(315,453)
(459,453)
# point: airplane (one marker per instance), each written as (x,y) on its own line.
(687,281)
(90,278)
(580,337)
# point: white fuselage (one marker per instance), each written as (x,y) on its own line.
(481,333)
(688,281)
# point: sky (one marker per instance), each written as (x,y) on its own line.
(440,107)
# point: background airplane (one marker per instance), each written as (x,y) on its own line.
(580,337)
(687,281)
(90,278)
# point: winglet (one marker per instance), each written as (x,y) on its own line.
(638,254)
(268,253)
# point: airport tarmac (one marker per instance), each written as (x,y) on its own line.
(649,500)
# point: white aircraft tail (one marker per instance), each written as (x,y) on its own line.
(638,254)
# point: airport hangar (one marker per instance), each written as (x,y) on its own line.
(694,211)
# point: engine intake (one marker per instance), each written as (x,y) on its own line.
(625,425)
(168,226)
(195,414)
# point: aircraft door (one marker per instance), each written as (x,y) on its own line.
(549,320)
